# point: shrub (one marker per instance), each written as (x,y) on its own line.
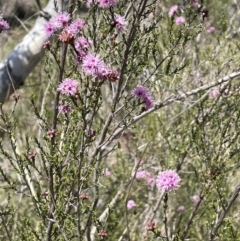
(134,135)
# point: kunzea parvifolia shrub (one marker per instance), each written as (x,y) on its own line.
(137,134)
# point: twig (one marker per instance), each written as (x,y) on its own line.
(223,213)
(6,229)
(105,213)
(191,217)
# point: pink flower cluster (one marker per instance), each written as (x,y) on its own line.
(51,133)
(145,175)
(102,234)
(181,208)
(119,23)
(168,181)
(180,20)
(64,108)
(82,45)
(56,23)
(61,22)
(3,24)
(214,93)
(196,4)
(94,66)
(90,62)
(102,3)
(143,93)
(173,10)
(68,87)
(210,29)
(131,204)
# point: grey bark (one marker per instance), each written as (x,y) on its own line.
(21,61)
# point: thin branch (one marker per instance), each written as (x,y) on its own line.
(223,213)
(106,212)
(191,217)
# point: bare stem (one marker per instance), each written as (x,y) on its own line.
(223,212)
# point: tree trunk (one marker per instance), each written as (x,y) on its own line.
(21,61)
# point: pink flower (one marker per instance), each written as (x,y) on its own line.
(172,10)
(148,102)
(93,65)
(49,28)
(151,181)
(167,181)
(227,92)
(151,226)
(32,154)
(66,36)
(68,87)
(131,204)
(61,19)
(142,174)
(141,163)
(106,172)
(238,90)
(214,93)
(81,43)
(180,20)
(147,176)
(91,133)
(76,26)
(143,93)
(91,2)
(181,208)
(120,23)
(140,92)
(106,3)
(3,24)
(102,234)
(103,72)
(195,198)
(150,15)
(210,29)
(47,44)
(64,108)
(195,4)
(112,75)
(51,133)
(84,196)
(80,56)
